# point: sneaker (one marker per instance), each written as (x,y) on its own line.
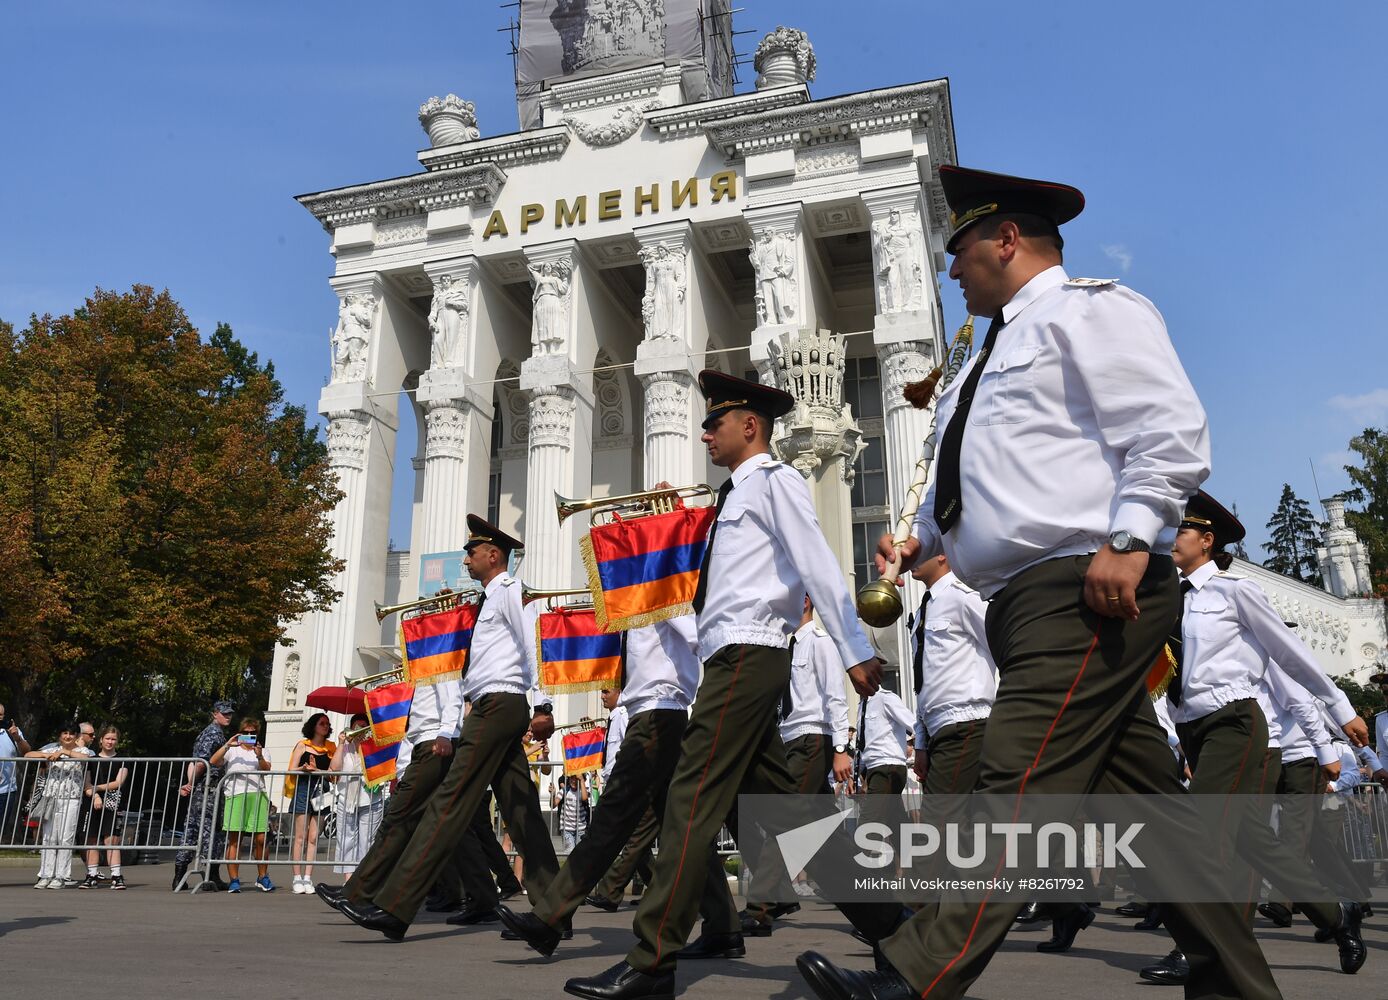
(57,883)
(234,885)
(117,881)
(90,882)
(42,883)
(264,884)
(301,885)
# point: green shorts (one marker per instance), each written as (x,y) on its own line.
(247,812)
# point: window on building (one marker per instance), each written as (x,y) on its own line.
(865,535)
(870,478)
(862,388)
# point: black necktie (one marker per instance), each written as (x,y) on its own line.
(787,703)
(701,591)
(622,677)
(917,657)
(1173,690)
(467,660)
(949,500)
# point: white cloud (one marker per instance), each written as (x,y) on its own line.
(1120,254)
(1371,405)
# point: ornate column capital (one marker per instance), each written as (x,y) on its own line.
(903,362)
(810,365)
(349,435)
(445,430)
(667,402)
(552,410)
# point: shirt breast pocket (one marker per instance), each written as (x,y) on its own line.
(1204,619)
(1004,394)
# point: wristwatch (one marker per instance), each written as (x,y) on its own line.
(545,709)
(1123,541)
(840,748)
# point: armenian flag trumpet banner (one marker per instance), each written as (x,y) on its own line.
(378,762)
(388,712)
(575,654)
(1161,673)
(434,647)
(583,751)
(646,569)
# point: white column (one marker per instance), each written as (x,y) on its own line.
(663,363)
(560,424)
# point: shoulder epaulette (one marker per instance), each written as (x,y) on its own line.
(1090,282)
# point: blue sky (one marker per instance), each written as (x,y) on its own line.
(1231,154)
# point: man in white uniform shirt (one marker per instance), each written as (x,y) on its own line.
(1068,446)
(1381,732)
(764,553)
(634,858)
(814,730)
(500,680)
(662,675)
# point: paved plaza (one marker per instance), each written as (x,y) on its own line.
(149,942)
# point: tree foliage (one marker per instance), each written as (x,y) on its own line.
(1370,495)
(162,515)
(1366,699)
(1292,550)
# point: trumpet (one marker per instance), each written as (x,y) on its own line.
(397,674)
(529,595)
(443,601)
(879,602)
(360,731)
(641,504)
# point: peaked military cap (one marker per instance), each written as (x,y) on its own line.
(480,530)
(1205,513)
(728,392)
(976,194)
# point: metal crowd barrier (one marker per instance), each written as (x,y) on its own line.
(1365,818)
(144,820)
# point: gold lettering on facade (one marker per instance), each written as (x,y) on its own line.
(565,216)
(496,226)
(643,199)
(680,193)
(723,185)
(609,205)
(531,214)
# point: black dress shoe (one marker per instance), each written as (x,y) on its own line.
(1173,970)
(529,928)
(1277,913)
(752,927)
(622,982)
(373,918)
(474,914)
(1065,926)
(830,982)
(440,905)
(1324,934)
(1347,937)
(1033,913)
(602,904)
(509,891)
(714,946)
(1135,909)
(779,910)
(1153,920)
(330,894)
(509,935)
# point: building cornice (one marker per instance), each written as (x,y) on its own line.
(688,119)
(612,88)
(477,184)
(514,149)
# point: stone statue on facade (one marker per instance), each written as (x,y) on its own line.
(355,315)
(662,307)
(549,322)
(447,321)
(773,260)
(898,247)
(593,30)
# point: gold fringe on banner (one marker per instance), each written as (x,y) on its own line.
(1161,673)
(590,565)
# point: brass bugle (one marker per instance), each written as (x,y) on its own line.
(352,682)
(382,610)
(352,734)
(528,595)
(645,502)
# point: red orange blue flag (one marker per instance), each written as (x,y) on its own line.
(575,654)
(434,646)
(388,712)
(645,570)
(583,751)
(378,762)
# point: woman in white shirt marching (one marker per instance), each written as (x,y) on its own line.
(65,783)
(1229,634)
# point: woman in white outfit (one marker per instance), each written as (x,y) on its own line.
(359,810)
(65,783)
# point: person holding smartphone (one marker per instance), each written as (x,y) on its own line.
(311,755)
(245,806)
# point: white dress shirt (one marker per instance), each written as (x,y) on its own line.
(1083,423)
(502,658)
(616,732)
(768,552)
(662,666)
(1229,634)
(818,696)
(1298,718)
(959,679)
(887,725)
(1349,778)
(1381,739)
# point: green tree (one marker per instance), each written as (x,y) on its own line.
(1370,495)
(162,515)
(1238,547)
(1367,700)
(1292,550)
